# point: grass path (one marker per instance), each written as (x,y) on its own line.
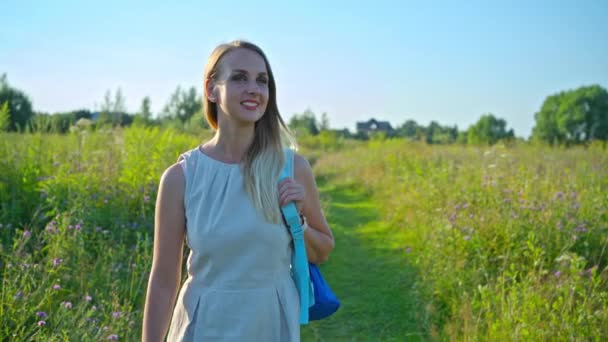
(368,271)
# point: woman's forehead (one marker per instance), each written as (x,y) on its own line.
(244,60)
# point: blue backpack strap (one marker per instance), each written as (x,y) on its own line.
(299,259)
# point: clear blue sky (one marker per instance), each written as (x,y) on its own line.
(445,61)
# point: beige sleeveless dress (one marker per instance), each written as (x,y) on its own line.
(239,286)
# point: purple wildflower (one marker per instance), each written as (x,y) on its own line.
(57,261)
(27,233)
(88,298)
(559,195)
(56,287)
(146,199)
(580,229)
(452,218)
(78,226)
(41,323)
(557,274)
(67,305)
(97,229)
(116,314)
(41,314)
(113,337)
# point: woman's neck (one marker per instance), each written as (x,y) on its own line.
(230,144)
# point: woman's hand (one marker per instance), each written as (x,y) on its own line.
(290,190)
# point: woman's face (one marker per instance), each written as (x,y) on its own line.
(241,89)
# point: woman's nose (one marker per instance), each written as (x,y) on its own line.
(253,87)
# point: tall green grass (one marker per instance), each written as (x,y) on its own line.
(510,243)
(77,216)
(507,243)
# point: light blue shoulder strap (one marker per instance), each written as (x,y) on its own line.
(299,259)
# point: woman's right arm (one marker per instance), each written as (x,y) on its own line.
(165,275)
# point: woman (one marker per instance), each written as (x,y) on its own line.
(223,198)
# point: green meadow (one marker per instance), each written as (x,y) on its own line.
(433,242)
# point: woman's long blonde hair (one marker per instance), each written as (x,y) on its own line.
(264,159)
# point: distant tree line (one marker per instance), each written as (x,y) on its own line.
(569,117)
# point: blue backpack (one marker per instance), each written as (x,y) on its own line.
(317,301)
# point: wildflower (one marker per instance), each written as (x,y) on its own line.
(41,323)
(467,237)
(18,295)
(581,228)
(88,298)
(557,274)
(56,287)
(57,261)
(78,227)
(27,233)
(146,199)
(70,227)
(117,314)
(113,337)
(41,314)
(67,305)
(452,218)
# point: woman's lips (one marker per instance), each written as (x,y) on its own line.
(250,105)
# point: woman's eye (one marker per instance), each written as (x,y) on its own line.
(239,77)
(263,80)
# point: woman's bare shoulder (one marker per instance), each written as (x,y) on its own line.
(301,164)
(172,179)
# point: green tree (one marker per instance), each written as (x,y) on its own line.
(573,116)
(119,108)
(324,125)
(488,130)
(408,129)
(183,104)
(5,117)
(145,110)
(19,105)
(304,123)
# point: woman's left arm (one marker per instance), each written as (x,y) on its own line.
(318,237)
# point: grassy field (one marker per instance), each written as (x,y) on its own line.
(432,242)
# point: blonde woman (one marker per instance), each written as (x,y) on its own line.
(223,199)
